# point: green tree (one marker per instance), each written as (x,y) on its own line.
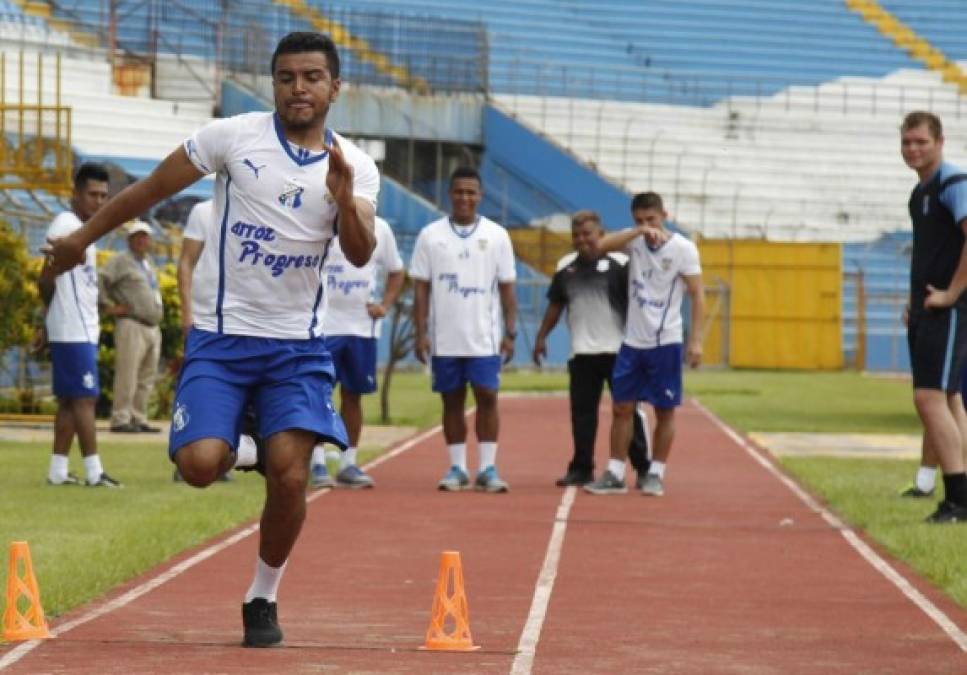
(19,305)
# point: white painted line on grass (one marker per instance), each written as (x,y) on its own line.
(22,650)
(527,646)
(864,549)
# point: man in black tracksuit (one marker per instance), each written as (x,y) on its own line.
(594,290)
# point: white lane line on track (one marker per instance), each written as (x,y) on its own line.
(871,556)
(527,646)
(22,650)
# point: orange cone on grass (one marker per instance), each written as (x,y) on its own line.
(449,609)
(29,624)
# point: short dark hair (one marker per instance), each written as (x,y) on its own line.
(647,200)
(586,216)
(300,42)
(90,171)
(921,117)
(465,172)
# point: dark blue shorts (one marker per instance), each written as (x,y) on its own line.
(289,383)
(653,375)
(938,348)
(74,366)
(451,373)
(354,359)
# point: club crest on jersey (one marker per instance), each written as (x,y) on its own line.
(180,418)
(88,380)
(666,264)
(291,194)
(482,243)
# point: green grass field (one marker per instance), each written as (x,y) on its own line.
(86,541)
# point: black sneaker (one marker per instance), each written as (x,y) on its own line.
(915,492)
(147,428)
(948,512)
(127,428)
(70,480)
(261,622)
(574,478)
(105,481)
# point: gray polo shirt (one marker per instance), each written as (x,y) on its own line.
(595,293)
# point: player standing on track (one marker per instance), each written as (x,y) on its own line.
(937,311)
(282,181)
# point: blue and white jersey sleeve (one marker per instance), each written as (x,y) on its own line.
(200,219)
(955,196)
(420,264)
(72,315)
(506,269)
(387,253)
(690,264)
(209,146)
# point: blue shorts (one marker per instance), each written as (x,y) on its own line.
(75,369)
(289,383)
(354,358)
(451,373)
(653,375)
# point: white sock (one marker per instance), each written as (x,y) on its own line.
(488,454)
(92,465)
(458,455)
(246,454)
(348,458)
(266,582)
(319,455)
(927,478)
(657,469)
(58,468)
(617,467)
(333,455)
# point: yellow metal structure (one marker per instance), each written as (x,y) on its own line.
(363,50)
(35,138)
(784,304)
(907,39)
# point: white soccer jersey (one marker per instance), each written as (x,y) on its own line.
(204,280)
(349,288)
(274,224)
(72,315)
(655,289)
(464,266)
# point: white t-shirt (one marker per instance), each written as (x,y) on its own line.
(274,222)
(349,288)
(464,264)
(204,282)
(72,315)
(655,289)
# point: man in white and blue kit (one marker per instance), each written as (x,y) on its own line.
(463,266)
(282,181)
(73,328)
(352,325)
(662,266)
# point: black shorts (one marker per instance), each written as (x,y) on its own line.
(938,348)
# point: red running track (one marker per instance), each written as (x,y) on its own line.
(703,580)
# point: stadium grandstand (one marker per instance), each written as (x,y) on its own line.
(766,120)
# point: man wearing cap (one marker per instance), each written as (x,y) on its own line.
(129,291)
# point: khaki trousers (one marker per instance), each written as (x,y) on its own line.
(137,350)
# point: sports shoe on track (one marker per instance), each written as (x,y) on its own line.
(105,481)
(353,477)
(948,512)
(261,622)
(320,477)
(488,481)
(606,484)
(574,478)
(70,480)
(455,480)
(651,485)
(913,491)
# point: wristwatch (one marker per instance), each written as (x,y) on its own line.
(511,334)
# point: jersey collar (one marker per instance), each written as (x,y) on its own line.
(469,233)
(300,160)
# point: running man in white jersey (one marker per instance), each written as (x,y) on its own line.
(282,180)
(73,328)
(662,266)
(463,266)
(352,326)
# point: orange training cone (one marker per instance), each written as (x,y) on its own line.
(30,625)
(449,605)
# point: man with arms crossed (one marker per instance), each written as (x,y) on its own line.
(937,323)
(464,265)
(661,267)
(282,180)
(594,288)
(352,325)
(73,327)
